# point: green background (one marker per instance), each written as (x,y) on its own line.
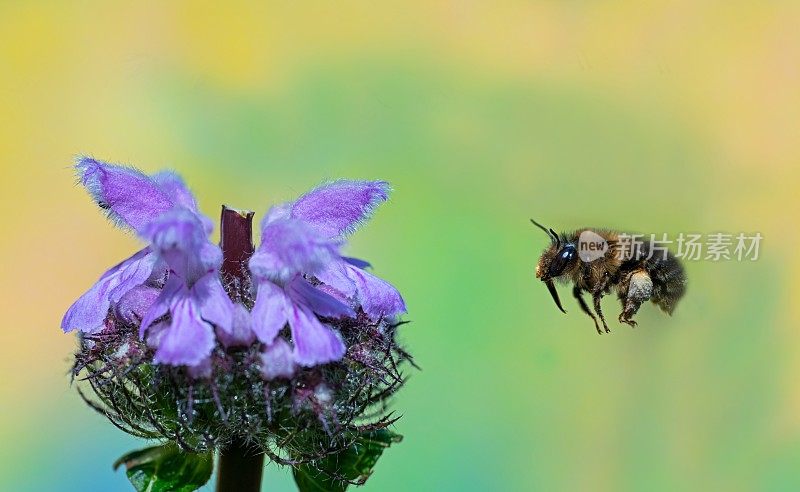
(625,114)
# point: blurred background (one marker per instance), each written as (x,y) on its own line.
(626,114)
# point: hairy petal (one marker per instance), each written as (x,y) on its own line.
(302,292)
(130,197)
(277,360)
(314,343)
(189,339)
(269,311)
(338,208)
(378,298)
(289,247)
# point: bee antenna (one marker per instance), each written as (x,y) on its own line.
(549,232)
(540,226)
(555,236)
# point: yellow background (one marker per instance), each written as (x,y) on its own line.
(646,116)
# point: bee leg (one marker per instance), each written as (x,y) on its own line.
(576,291)
(627,310)
(639,289)
(630,310)
(596,296)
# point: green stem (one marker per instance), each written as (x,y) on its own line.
(239,469)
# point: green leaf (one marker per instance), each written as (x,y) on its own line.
(354,463)
(167,469)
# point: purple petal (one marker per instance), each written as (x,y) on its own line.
(188,340)
(133,306)
(90,310)
(179,237)
(314,343)
(378,298)
(88,313)
(277,360)
(215,305)
(289,247)
(129,196)
(269,311)
(241,333)
(338,208)
(302,292)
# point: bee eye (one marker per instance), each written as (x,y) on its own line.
(562,261)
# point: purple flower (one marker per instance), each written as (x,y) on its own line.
(290,248)
(302,239)
(337,209)
(172,289)
(163,211)
(132,200)
(296,304)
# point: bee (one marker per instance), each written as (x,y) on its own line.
(597,261)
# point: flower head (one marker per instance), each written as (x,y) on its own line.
(293,340)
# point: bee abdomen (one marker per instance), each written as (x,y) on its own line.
(669,279)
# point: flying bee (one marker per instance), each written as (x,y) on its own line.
(599,260)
